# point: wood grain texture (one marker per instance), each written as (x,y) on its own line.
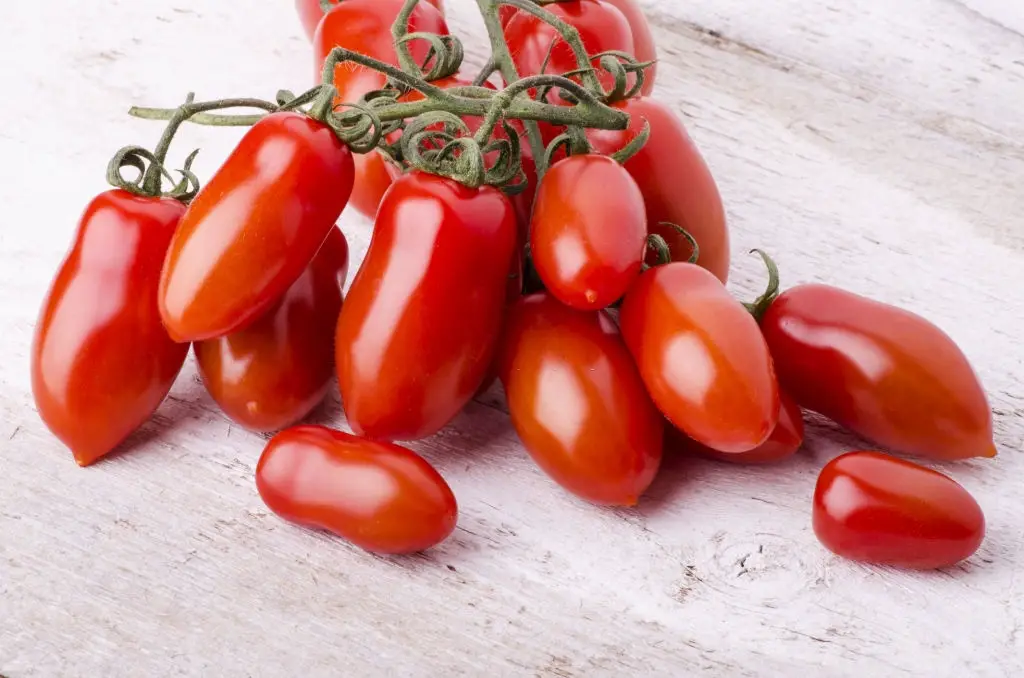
(876,144)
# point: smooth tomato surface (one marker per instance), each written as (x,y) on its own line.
(102,362)
(273,372)
(588,232)
(675,181)
(364,26)
(786,439)
(254,227)
(577,401)
(420,324)
(884,373)
(702,357)
(310,13)
(381,497)
(878,509)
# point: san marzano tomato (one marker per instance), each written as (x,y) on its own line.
(878,509)
(102,362)
(311,12)
(381,497)
(275,371)
(884,373)
(577,401)
(253,229)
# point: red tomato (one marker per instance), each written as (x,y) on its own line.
(643,39)
(420,324)
(310,13)
(101,359)
(878,509)
(702,357)
(589,231)
(884,373)
(381,497)
(783,443)
(505,13)
(364,26)
(675,181)
(577,401)
(273,372)
(254,227)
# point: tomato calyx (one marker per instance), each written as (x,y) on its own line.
(760,305)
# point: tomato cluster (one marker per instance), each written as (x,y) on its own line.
(594,291)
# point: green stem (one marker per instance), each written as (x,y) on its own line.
(760,305)
(399,29)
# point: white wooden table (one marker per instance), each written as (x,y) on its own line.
(878,144)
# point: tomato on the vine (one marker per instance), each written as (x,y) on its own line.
(878,509)
(364,26)
(786,439)
(577,401)
(102,361)
(381,497)
(253,229)
(311,12)
(421,320)
(702,357)
(273,372)
(880,371)
(675,181)
(588,232)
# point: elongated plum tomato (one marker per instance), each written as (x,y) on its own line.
(786,439)
(885,373)
(878,509)
(310,13)
(588,232)
(577,401)
(675,181)
(102,362)
(273,372)
(702,357)
(254,227)
(381,497)
(420,324)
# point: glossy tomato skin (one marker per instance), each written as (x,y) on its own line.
(421,321)
(878,509)
(675,181)
(102,362)
(310,14)
(577,401)
(381,497)
(364,26)
(786,439)
(273,372)
(885,373)
(702,357)
(254,227)
(588,232)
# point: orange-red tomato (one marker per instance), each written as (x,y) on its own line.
(878,509)
(254,227)
(273,372)
(381,497)
(577,401)
(675,181)
(786,439)
(364,26)
(882,372)
(102,362)
(702,357)
(420,325)
(310,13)
(589,231)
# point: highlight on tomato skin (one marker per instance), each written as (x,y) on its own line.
(276,370)
(310,13)
(383,498)
(874,508)
(886,374)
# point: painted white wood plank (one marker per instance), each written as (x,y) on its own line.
(874,144)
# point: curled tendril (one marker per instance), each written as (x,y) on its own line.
(358,126)
(146,162)
(621,65)
(633,147)
(460,158)
(573,140)
(508,165)
(444,57)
